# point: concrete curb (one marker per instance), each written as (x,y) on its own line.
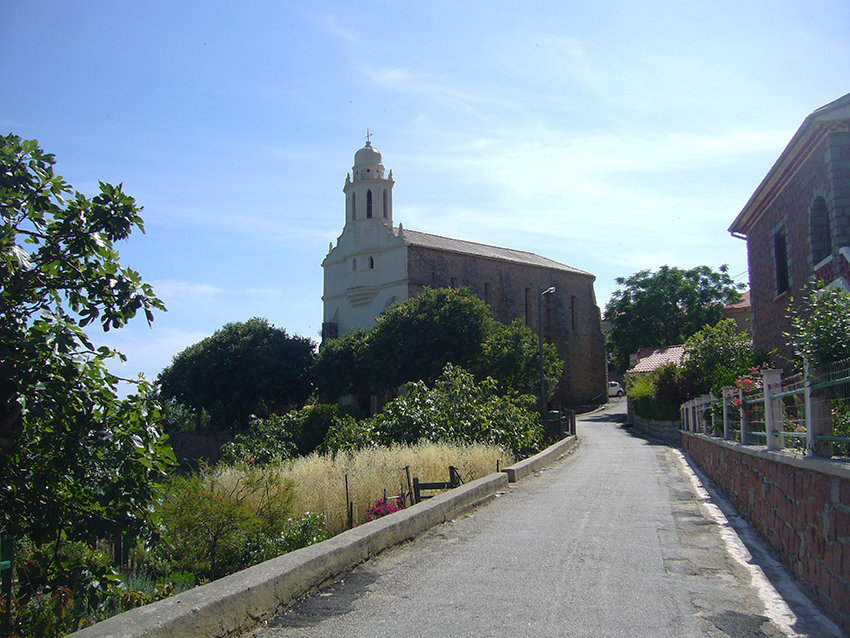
(237,602)
(540,460)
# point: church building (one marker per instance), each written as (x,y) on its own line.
(376,263)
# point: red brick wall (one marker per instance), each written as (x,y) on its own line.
(823,174)
(577,334)
(803,512)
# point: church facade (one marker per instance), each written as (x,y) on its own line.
(376,263)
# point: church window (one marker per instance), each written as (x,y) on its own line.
(371,263)
(353,205)
(354,264)
(369,204)
(573,303)
(820,237)
(528,306)
(780,259)
(385,203)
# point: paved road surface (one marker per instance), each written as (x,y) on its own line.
(618,539)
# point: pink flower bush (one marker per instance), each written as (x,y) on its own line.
(385,506)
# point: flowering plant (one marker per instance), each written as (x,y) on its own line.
(384,506)
(748,383)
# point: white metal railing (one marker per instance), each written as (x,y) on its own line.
(809,411)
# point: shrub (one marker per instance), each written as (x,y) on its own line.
(384,507)
(657,395)
(821,328)
(296,433)
(62,586)
(223,520)
(458,410)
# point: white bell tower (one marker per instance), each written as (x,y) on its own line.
(369,196)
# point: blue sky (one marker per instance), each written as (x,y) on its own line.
(612,136)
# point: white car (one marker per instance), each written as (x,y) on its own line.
(615,389)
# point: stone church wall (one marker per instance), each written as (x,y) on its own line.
(571,317)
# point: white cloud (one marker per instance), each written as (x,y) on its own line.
(184,291)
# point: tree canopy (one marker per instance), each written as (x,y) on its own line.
(664,308)
(415,339)
(717,356)
(243,369)
(75,460)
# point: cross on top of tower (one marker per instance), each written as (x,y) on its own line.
(368,138)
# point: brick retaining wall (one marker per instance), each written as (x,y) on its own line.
(800,505)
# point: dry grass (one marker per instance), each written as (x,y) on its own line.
(319,480)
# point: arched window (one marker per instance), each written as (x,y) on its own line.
(820,236)
(371,263)
(354,264)
(369,204)
(385,203)
(353,206)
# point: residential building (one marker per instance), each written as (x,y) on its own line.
(797,225)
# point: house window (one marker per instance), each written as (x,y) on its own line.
(820,237)
(780,259)
(369,204)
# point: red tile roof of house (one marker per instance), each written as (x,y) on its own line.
(648,359)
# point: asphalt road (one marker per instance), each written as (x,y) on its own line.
(618,539)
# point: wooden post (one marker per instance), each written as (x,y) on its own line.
(409,485)
(349,506)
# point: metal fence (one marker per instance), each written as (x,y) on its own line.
(809,411)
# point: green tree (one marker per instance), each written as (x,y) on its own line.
(76,462)
(715,357)
(415,339)
(244,368)
(821,328)
(511,356)
(666,307)
(340,366)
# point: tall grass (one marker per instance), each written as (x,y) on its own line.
(318,481)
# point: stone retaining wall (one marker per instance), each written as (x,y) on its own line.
(800,505)
(664,430)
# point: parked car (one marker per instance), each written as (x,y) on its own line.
(615,389)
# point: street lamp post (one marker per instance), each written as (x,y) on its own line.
(540,341)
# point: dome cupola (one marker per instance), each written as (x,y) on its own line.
(369,194)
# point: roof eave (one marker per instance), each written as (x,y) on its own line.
(747,217)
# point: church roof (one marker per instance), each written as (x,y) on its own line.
(426,240)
